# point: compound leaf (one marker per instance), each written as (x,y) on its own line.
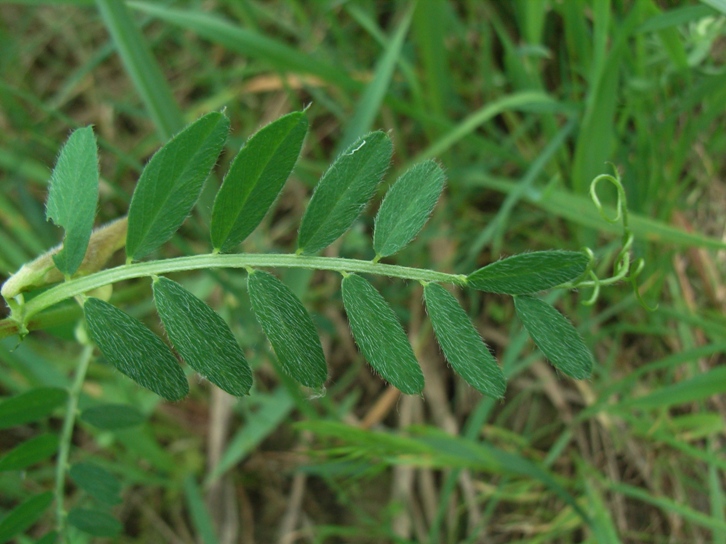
(344,190)
(171,182)
(97,482)
(555,336)
(202,338)
(407,207)
(461,343)
(134,350)
(72,197)
(289,328)
(380,336)
(255,179)
(30,406)
(529,272)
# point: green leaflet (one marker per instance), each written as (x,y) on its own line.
(39,448)
(110,417)
(555,336)
(461,343)
(407,207)
(134,350)
(30,406)
(529,272)
(202,338)
(255,178)
(97,482)
(20,518)
(343,191)
(380,336)
(171,182)
(94,522)
(73,196)
(289,328)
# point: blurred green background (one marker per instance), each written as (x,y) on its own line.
(524,103)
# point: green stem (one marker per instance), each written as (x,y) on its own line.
(66,436)
(84,284)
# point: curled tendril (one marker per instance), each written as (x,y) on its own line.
(624,269)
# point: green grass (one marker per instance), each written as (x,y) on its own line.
(523,103)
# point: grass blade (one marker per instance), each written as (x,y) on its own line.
(461,343)
(698,388)
(73,196)
(134,350)
(529,272)
(380,336)
(598,127)
(289,328)
(668,505)
(374,93)
(580,210)
(248,43)
(343,191)
(430,32)
(255,179)
(273,409)
(407,207)
(555,336)
(171,182)
(674,17)
(142,68)
(522,100)
(202,338)
(203,524)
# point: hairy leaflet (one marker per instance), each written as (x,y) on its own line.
(171,182)
(72,197)
(380,336)
(202,338)
(529,272)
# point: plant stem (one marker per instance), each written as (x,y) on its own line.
(84,284)
(66,437)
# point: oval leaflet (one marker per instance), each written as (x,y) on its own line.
(255,178)
(380,336)
(202,337)
(134,350)
(406,207)
(289,328)
(343,191)
(529,272)
(555,336)
(461,343)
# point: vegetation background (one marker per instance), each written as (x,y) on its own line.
(523,102)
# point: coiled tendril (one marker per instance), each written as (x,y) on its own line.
(624,268)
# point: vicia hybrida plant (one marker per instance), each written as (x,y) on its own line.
(167,191)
